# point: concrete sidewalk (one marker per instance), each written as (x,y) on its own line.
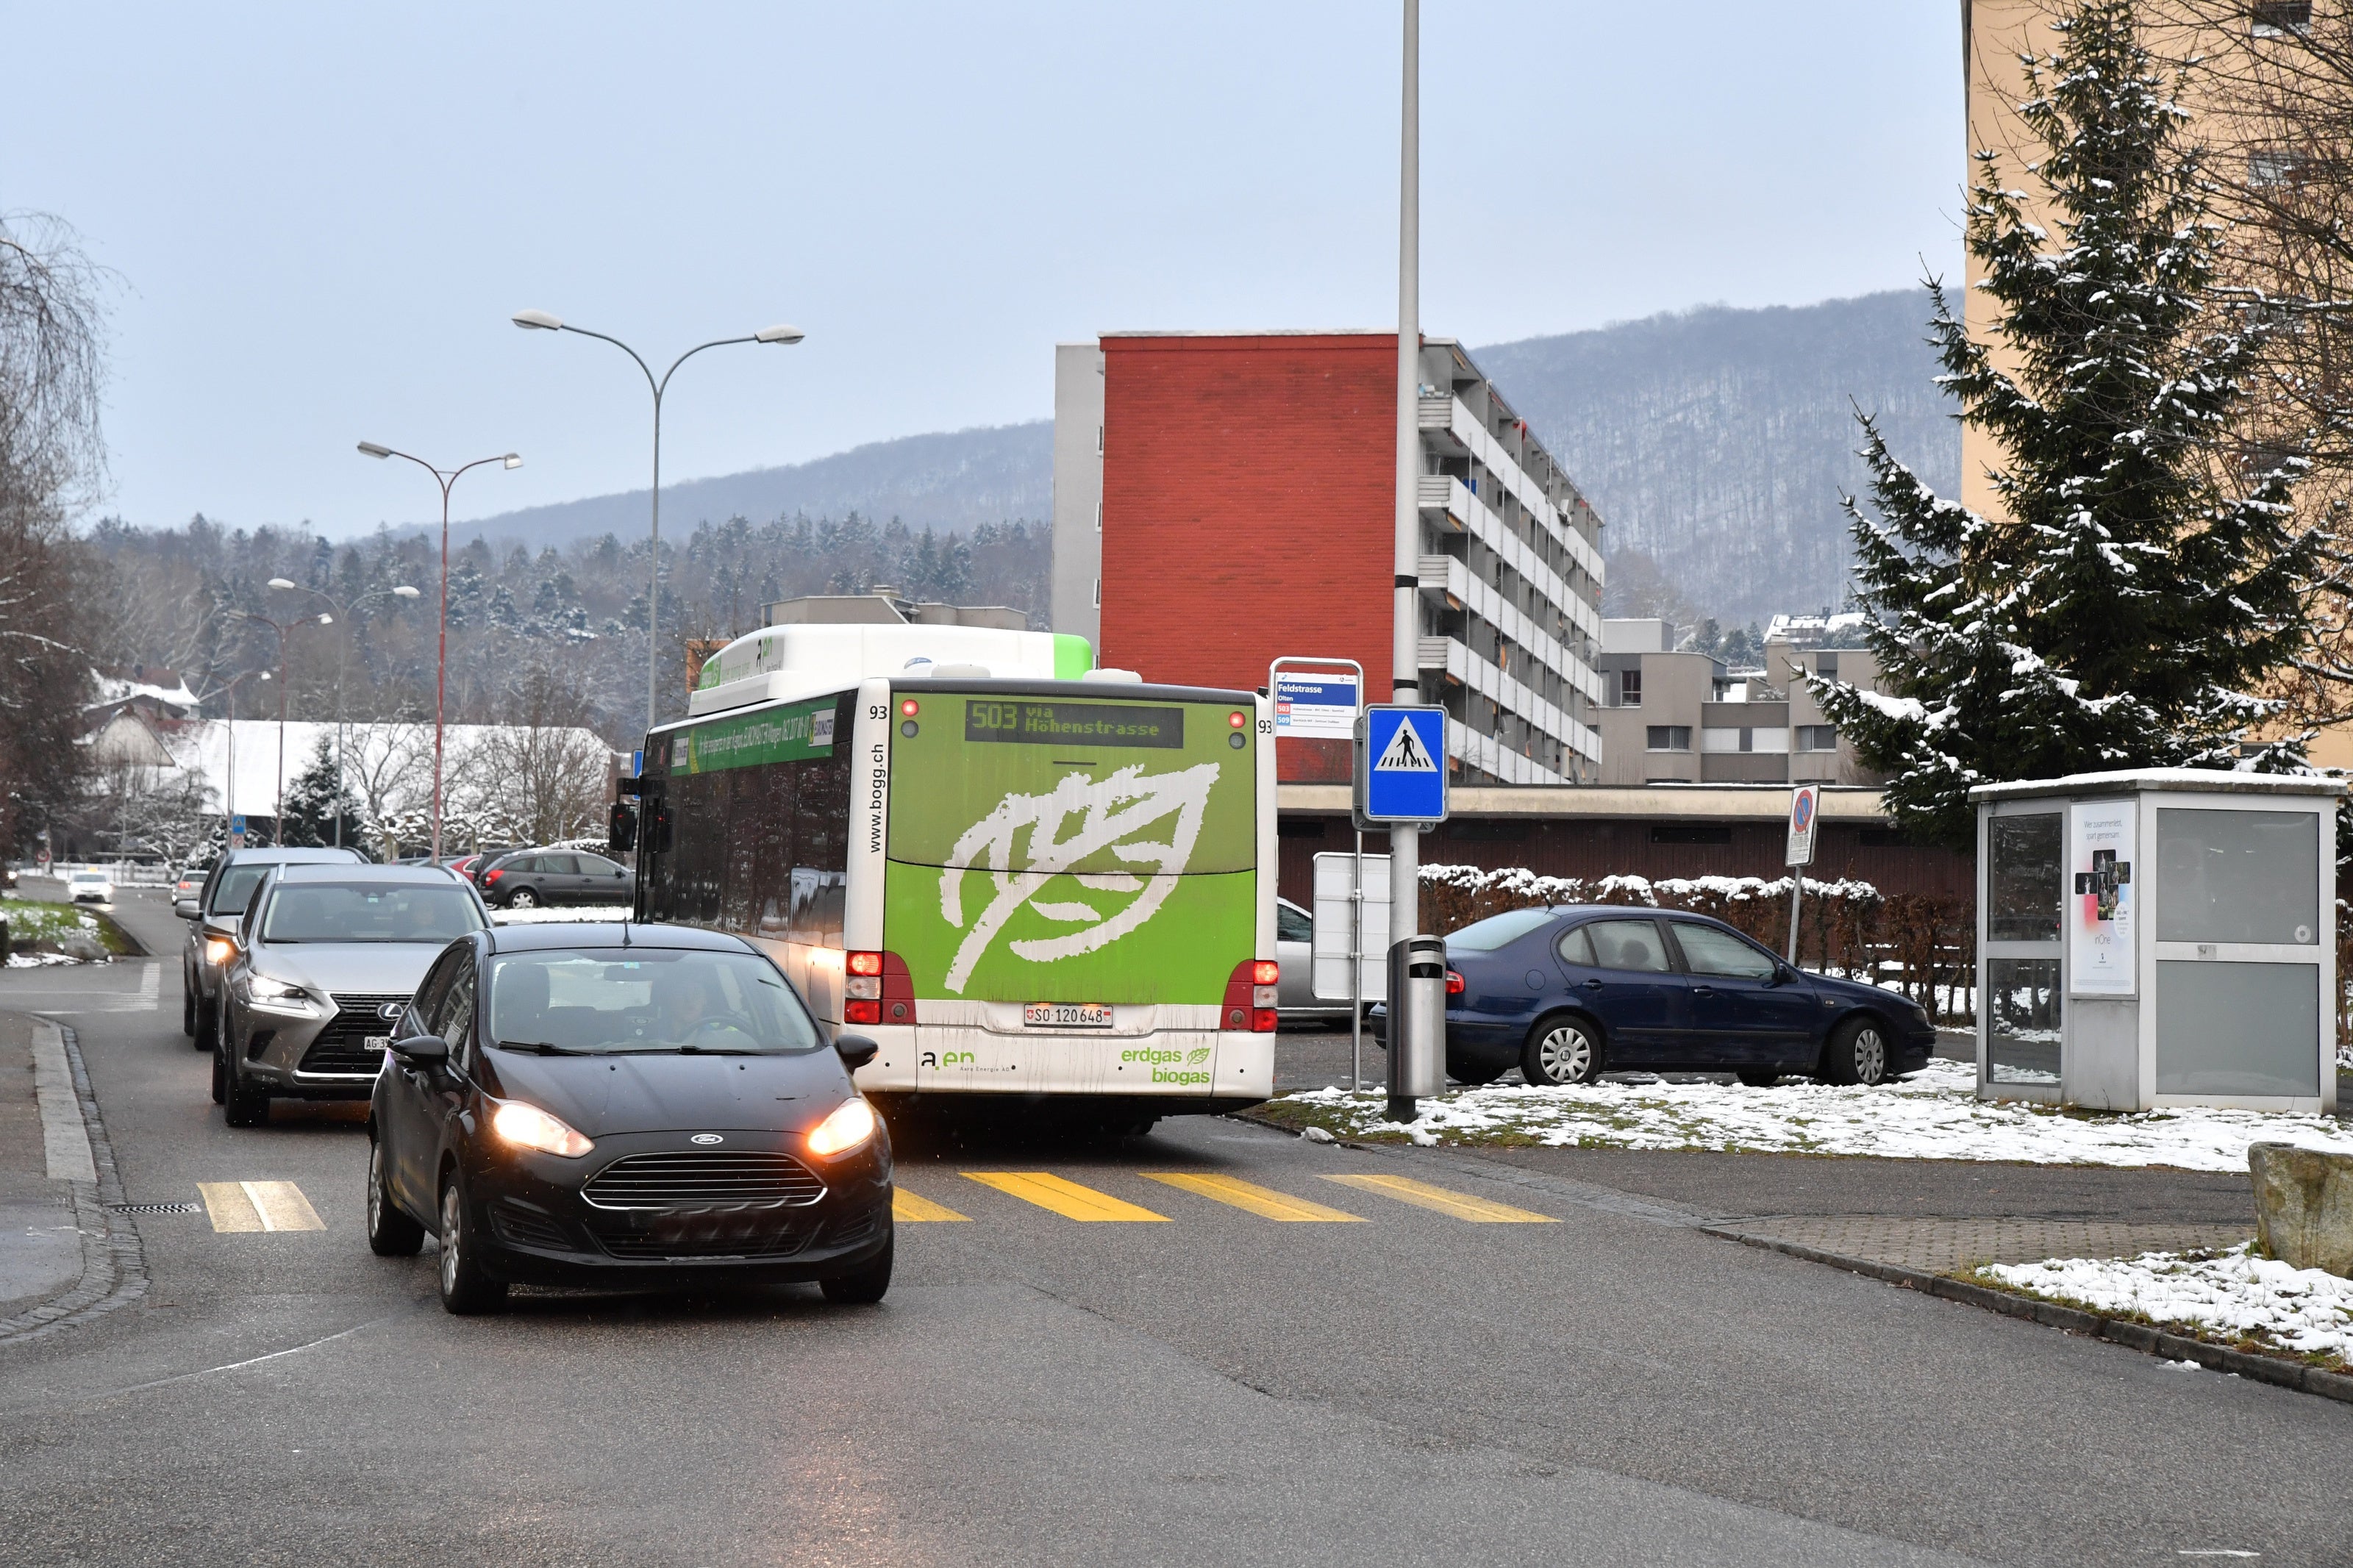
(62,1253)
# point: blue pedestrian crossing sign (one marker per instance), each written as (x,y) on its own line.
(1401,764)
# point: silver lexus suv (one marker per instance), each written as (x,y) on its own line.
(327,957)
(212,913)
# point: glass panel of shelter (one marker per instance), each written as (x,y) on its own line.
(2021,985)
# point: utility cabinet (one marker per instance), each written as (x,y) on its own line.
(2162,937)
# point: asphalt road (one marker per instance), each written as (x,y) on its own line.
(1610,1387)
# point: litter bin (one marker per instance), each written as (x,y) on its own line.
(1417,1017)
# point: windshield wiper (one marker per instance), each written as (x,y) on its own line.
(540,1047)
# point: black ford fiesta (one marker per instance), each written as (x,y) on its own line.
(624,1104)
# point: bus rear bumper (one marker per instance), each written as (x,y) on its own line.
(1217,1065)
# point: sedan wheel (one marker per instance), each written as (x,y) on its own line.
(1857,1054)
(391,1232)
(523,899)
(1561,1052)
(242,1104)
(465,1288)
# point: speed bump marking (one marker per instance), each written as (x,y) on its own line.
(911,1208)
(1461,1205)
(1068,1199)
(1265,1202)
(259,1205)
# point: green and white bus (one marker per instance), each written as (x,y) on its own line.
(1043,887)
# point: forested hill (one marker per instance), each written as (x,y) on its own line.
(1716,441)
(953,481)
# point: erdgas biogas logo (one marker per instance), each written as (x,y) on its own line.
(1148,821)
(1171,1066)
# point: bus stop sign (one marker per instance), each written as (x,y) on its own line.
(1401,764)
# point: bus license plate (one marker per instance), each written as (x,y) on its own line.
(1066,1015)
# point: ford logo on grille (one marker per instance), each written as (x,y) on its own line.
(390,1010)
(706,1138)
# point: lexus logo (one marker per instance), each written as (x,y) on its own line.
(706,1138)
(389,1011)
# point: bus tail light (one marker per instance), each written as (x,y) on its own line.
(1250,996)
(876,989)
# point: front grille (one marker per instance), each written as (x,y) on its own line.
(688,1179)
(710,1236)
(340,1048)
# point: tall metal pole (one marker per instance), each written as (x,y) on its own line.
(441,659)
(278,827)
(653,567)
(1405,840)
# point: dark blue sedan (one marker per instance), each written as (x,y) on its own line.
(1564,995)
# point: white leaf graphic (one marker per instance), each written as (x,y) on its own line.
(1109,812)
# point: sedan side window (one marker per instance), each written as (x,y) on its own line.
(1627,944)
(454,1019)
(1712,952)
(1577,948)
(1290,925)
(426,1002)
(559,865)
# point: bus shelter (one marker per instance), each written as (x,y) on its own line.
(2164,937)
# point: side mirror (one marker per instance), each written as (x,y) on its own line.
(185,908)
(422,1050)
(856,1050)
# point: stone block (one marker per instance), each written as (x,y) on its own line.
(2303,1205)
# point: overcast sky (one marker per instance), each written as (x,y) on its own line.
(323,216)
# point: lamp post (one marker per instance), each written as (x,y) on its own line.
(342,658)
(541,321)
(228,791)
(445,478)
(277,831)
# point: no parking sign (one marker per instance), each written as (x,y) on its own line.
(1804,805)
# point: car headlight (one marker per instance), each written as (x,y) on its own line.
(272,995)
(851,1124)
(529,1127)
(218,951)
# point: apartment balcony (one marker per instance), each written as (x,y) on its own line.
(1450,500)
(1449,658)
(1744,767)
(1447,580)
(1484,753)
(1445,421)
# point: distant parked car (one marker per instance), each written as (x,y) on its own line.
(89,886)
(1564,995)
(538,877)
(1295,947)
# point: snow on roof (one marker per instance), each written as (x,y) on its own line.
(114,689)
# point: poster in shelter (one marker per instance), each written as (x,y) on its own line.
(2103,901)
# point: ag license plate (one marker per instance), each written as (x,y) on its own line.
(1066,1015)
(375,1042)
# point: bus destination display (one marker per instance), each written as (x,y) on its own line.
(1074,725)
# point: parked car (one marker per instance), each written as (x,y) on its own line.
(212,916)
(88,885)
(327,959)
(185,889)
(1564,995)
(1294,948)
(532,878)
(592,1104)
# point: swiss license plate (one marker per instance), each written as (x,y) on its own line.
(1066,1015)
(375,1042)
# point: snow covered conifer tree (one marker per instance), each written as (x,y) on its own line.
(2128,607)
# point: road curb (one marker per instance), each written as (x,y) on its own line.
(114,1263)
(2275,1370)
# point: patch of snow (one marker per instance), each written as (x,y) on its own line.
(2236,1293)
(1934,1114)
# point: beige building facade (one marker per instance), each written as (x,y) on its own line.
(1676,716)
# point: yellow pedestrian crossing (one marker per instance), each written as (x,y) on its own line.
(912,1208)
(1066,1198)
(1445,1200)
(259,1205)
(1265,1202)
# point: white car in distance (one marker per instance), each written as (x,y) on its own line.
(89,886)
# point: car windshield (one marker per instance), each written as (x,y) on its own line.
(364,911)
(1497,930)
(613,1001)
(235,887)
(89,877)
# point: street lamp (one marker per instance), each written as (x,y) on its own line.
(228,790)
(445,478)
(278,833)
(342,658)
(541,321)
